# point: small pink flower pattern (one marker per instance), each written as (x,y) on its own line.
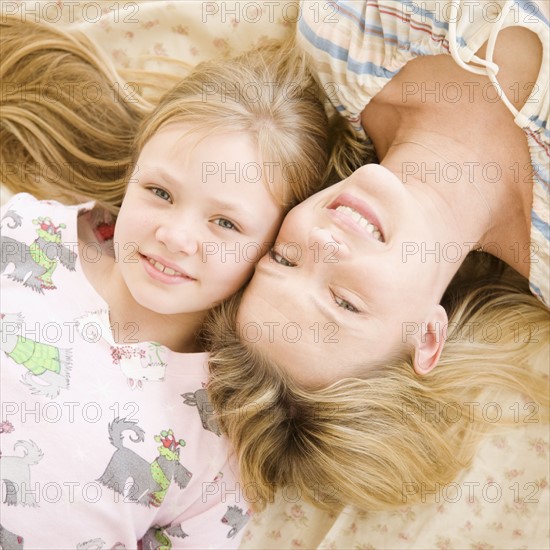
(275,534)
(542,483)
(158,49)
(512,474)
(500,442)
(443,543)
(297,512)
(125,352)
(148,25)
(6,427)
(468,526)
(297,515)
(181,29)
(105,25)
(222,45)
(121,57)
(540,446)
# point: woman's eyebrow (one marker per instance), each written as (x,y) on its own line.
(325,311)
(269,270)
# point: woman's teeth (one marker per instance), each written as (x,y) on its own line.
(162,268)
(361,221)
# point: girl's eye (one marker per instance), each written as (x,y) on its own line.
(226,224)
(161,193)
(344,304)
(275,256)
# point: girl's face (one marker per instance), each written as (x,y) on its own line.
(350,281)
(195,219)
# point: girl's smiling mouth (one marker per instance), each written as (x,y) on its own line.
(160,271)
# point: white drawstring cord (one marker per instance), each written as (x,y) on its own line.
(490,50)
(488,66)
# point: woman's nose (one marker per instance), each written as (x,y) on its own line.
(324,247)
(178,238)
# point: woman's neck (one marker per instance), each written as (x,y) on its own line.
(477,189)
(469,152)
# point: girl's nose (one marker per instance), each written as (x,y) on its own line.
(178,238)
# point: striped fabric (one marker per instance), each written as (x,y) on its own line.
(357,46)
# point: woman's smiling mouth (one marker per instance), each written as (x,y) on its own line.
(353,212)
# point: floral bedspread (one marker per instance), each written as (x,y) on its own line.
(502,501)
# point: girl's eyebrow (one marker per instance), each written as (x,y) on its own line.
(234,208)
(245,216)
(231,207)
(152,170)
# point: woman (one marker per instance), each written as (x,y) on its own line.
(344,321)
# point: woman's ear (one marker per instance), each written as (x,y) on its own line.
(429,344)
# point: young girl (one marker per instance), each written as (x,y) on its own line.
(107,437)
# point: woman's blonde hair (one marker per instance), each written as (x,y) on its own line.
(72,128)
(391,436)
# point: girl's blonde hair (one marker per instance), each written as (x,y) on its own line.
(72,128)
(391,436)
(66,131)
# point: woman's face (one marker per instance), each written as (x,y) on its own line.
(350,281)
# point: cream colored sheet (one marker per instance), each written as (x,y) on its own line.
(503,500)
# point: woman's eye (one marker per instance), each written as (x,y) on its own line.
(161,193)
(226,224)
(275,256)
(344,304)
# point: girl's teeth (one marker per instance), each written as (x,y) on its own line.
(162,268)
(361,221)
